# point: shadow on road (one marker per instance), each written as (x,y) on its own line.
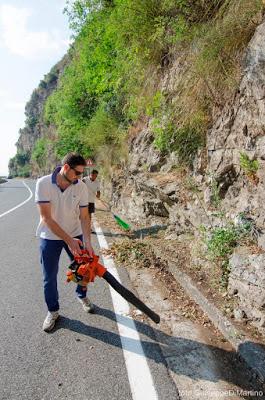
(148,231)
(186,357)
(136,234)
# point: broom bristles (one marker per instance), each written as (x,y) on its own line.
(122,223)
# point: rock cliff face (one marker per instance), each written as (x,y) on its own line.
(247,281)
(155,190)
(35,127)
(240,128)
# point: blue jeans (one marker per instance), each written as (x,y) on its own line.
(50,251)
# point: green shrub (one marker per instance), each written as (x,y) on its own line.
(250,167)
(155,105)
(24,172)
(222,241)
(184,140)
(19,164)
(39,153)
(69,141)
(22,158)
(220,244)
(101,130)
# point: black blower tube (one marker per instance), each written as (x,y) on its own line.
(129,296)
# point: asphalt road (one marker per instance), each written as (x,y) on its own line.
(83,357)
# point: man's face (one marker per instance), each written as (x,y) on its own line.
(93,177)
(71,174)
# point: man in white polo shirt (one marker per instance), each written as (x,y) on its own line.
(64,224)
(93,187)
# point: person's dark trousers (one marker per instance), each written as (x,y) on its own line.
(91,208)
(50,251)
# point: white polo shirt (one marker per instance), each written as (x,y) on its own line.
(65,205)
(92,187)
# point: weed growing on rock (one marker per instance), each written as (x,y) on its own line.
(221,241)
(250,167)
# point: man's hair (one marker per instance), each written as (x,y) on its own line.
(94,171)
(73,160)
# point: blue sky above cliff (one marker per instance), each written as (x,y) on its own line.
(34,35)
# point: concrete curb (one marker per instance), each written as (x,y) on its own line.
(250,352)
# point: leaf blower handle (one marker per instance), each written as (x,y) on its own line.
(129,296)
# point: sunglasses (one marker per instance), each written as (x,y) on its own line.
(78,173)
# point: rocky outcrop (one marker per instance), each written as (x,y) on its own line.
(35,127)
(240,128)
(247,282)
(154,189)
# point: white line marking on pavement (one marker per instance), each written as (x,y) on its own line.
(21,204)
(140,378)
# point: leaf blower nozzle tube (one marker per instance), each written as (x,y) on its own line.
(84,269)
(129,296)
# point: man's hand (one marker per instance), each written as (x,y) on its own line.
(74,246)
(89,248)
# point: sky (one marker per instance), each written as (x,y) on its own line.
(34,35)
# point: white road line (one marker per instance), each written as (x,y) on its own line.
(140,378)
(21,204)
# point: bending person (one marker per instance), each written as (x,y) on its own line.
(62,200)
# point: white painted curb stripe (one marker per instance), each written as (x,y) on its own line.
(21,204)
(140,378)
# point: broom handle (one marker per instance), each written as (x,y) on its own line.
(105,204)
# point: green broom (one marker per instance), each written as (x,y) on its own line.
(118,219)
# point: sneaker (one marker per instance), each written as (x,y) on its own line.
(86,303)
(50,320)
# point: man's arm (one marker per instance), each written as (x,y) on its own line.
(98,194)
(85,219)
(45,213)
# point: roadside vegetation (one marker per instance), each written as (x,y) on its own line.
(225,235)
(19,165)
(121,50)
(249,167)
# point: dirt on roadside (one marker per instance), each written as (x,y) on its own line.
(153,252)
(198,356)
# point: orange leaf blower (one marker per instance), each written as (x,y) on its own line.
(84,269)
